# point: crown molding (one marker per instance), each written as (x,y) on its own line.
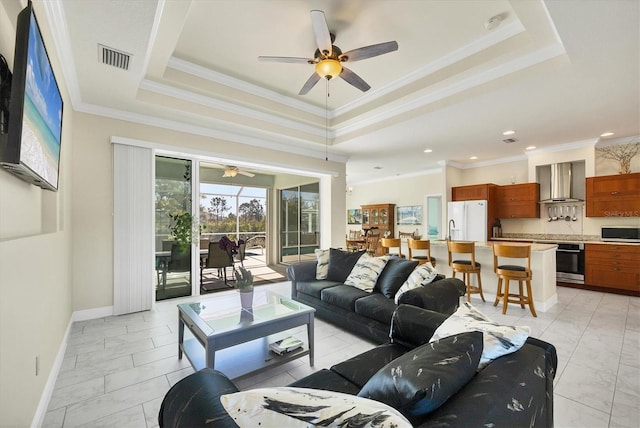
(563,147)
(504,69)
(241,85)
(491,39)
(395,177)
(293,145)
(617,141)
(207,101)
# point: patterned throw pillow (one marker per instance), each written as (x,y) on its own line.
(366,272)
(304,407)
(322,269)
(498,339)
(421,380)
(422,275)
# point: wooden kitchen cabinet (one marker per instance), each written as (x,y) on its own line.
(518,201)
(613,196)
(473,192)
(479,192)
(613,266)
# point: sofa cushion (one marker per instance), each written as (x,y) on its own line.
(314,288)
(302,407)
(365,272)
(422,379)
(329,381)
(377,307)
(343,296)
(421,276)
(498,339)
(341,263)
(359,369)
(395,273)
(322,268)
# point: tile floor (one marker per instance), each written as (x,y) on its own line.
(117,369)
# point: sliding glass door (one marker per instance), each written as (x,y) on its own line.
(299,222)
(174,228)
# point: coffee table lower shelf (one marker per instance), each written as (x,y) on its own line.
(243,359)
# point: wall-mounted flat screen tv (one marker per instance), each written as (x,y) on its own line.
(31,146)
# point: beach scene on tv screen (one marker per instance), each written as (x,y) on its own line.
(42,119)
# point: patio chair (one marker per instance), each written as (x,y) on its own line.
(217,258)
(240,256)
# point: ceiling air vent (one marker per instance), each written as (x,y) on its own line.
(113,57)
(510,140)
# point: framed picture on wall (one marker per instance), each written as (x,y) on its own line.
(354,216)
(409,215)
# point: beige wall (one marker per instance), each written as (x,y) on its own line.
(93,190)
(401,191)
(35,264)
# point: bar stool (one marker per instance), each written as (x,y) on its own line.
(416,244)
(515,272)
(466,267)
(388,243)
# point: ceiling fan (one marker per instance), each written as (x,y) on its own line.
(232,171)
(328,58)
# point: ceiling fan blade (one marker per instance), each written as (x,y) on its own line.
(309,84)
(353,79)
(369,51)
(321,30)
(246,173)
(286,59)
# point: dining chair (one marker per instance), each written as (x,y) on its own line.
(240,256)
(217,258)
(465,266)
(509,271)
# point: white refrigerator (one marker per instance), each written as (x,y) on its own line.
(469,220)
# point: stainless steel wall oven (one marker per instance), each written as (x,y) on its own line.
(570,263)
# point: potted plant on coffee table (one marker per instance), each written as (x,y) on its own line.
(244,283)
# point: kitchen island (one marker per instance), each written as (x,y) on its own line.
(543,267)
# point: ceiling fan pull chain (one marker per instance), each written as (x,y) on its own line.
(326,124)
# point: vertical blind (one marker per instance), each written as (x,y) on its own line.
(132,229)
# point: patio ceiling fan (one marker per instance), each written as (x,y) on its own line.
(328,58)
(232,171)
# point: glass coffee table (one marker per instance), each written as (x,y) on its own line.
(223,335)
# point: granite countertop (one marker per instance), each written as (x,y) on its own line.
(571,239)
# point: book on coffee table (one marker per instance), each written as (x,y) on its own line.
(285,345)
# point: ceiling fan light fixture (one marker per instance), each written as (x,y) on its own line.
(328,68)
(230,172)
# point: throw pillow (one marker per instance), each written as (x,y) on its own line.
(341,263)
(424,378)
(498,339)
(422,275)
(394,275)
(322,269)
(304,407)
(366,271)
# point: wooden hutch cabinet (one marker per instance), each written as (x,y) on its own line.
(613,196)
(518,201)
(379,216)
(613,266)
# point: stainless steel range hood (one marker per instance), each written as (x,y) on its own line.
(561,184)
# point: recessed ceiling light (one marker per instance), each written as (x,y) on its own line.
(428,150)
(509,132)
(607,134)
(473,157)
(530,148)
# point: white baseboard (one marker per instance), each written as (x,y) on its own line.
(90,314)
(43,405)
